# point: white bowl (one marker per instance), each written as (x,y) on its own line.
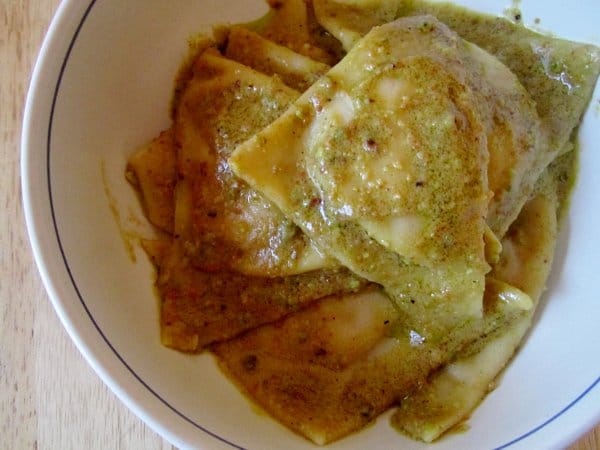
(101,88)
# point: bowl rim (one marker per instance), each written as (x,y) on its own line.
(96,348)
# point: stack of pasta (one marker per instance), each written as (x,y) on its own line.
(357,205)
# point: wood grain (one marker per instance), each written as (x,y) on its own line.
(49,397)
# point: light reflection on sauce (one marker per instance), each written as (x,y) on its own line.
(554,73)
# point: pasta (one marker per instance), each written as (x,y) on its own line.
(357,205)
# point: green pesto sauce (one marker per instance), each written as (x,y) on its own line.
(246,109)
(561,177)
(558,74)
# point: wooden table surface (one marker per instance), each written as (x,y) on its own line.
(49,397)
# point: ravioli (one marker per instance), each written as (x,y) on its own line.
(292,24)
(558,75)
(450,394)
(333,367)
(350,20)
(152,170)
(230,260)
(199,308)
(365,168)
(225,224)
(294,69)
(344,239)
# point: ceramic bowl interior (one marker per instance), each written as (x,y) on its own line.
(101,88)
